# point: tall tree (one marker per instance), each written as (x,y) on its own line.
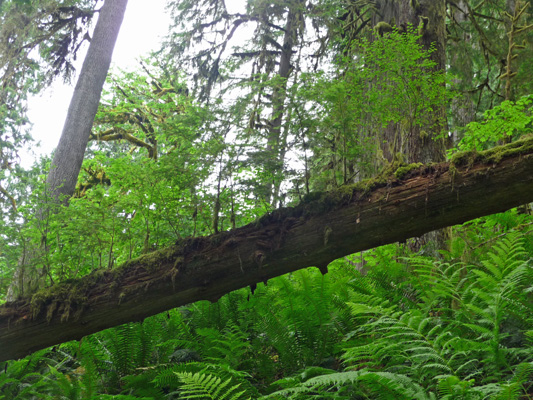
(208,43)
(69,154)
(276,142)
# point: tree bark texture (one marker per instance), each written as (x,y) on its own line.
(68,157)
(414,200)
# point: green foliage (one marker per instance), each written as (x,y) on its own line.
(506,122)
(406,87)
(389,80)
(356,384)
(199,385)
(463,338)
(409,327)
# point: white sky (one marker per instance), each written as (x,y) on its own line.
(141,31)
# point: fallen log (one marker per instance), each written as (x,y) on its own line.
(413,200)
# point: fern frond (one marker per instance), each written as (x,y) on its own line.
(382,385)
(198,385)
(385,385)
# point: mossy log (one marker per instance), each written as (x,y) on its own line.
(405,204)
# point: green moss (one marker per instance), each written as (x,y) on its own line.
(65,299)
(402,171)
(382,27)
(313,196)
(150,261)
(68,299)
(321,202)
(494,155)
(463,158)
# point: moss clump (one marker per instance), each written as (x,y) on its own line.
(317,203)
(463,158)
(402,171)
(150,261)
(313,196)
(494,155)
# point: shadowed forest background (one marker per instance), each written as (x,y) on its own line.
(234,117)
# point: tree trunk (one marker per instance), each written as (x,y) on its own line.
(463,107)
(381,211)
(68,156)
(276,144)
(419,144)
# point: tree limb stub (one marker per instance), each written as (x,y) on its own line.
(413,201)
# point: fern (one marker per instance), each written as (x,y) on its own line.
(452,388)
(402,341)
(456,330)
(205,386)
(441,285)
(168,377)
(119,397)
(228,347)
(496,298)
(25,378)
(379,385)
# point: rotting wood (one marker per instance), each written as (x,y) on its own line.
(314,233)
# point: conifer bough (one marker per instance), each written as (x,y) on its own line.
(410,201)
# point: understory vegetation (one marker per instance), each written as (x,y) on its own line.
(210,133)
(384,324)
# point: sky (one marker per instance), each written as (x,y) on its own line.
(141,31)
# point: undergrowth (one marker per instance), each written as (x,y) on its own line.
(385,324)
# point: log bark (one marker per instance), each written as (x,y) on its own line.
(408,203)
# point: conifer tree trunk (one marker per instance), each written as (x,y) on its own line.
(279,96)
(68,156)
(429,16)
(463,108)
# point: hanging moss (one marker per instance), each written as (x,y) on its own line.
(66,299)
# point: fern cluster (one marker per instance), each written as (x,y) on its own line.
(467,335)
